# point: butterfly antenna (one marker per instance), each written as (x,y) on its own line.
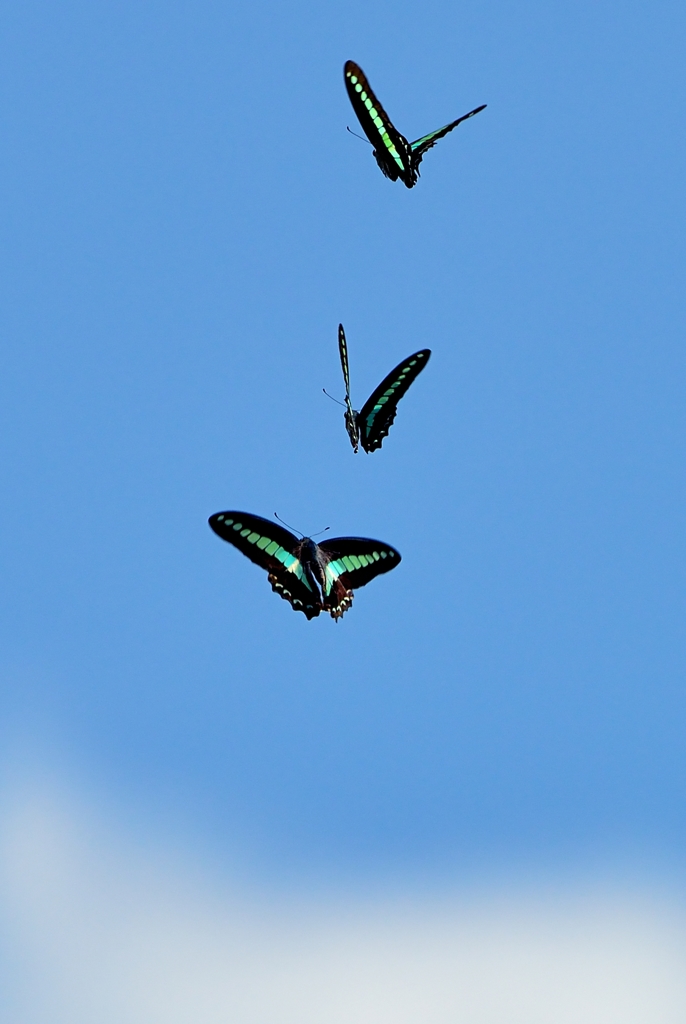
(357,136)
(333,399)
(287,524)
(320,532)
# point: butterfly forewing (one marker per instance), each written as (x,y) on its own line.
(343,353)
(353,562)
(391,149)
(350,416)
(261,540)
(420,147)
(273,548)
(378,412)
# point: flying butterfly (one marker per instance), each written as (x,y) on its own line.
(312,577)
(369,426)
(396,157)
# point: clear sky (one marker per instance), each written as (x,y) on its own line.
(185,222)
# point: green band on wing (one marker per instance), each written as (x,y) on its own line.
(426,138)
(286,558)
(388,143)
(349,563)
(331,574)
(292,564)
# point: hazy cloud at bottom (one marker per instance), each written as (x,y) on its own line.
(96,929)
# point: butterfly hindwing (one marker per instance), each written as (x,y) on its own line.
(273,548)
(378,412)
(391,149)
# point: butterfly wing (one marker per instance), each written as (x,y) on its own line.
(272,548)
(350,417)
(419,148)
(352,563)
(378,412)
(391,149)
(343,352)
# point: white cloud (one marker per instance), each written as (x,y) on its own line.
(96,932)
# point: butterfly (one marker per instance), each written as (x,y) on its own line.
(313,577)
(396,157)
(369,426)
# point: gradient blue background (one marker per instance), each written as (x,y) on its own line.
(185,221)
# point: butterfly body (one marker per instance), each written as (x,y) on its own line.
(352,425)
(395,155)
(371,424)
(311,577)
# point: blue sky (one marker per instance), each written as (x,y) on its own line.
(185,222)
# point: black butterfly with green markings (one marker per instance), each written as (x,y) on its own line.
(396,157)
(369,426)
(313,577)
